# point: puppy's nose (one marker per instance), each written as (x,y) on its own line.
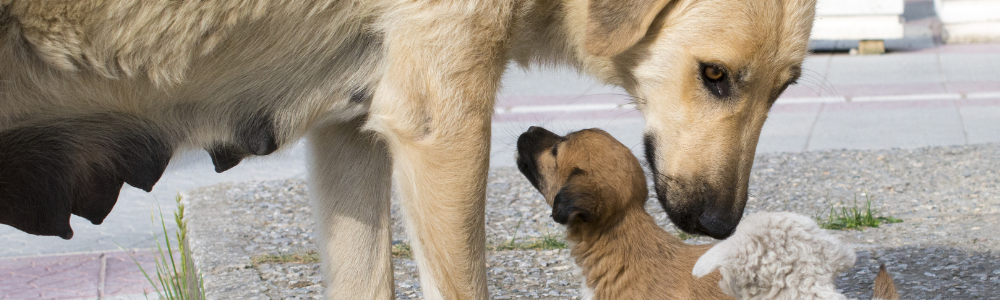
(535,139)
(534,130)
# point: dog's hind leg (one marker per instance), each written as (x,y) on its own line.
(350,185)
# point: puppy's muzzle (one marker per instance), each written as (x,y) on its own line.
(529,145)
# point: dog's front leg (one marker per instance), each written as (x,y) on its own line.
(434,106)
(440,179)
(350,186)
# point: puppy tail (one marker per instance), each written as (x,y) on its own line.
(885,289)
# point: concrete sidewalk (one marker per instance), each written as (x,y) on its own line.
(947,95)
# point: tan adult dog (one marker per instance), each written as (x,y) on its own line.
(98,93)
(597,188)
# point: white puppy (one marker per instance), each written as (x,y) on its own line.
(778,256)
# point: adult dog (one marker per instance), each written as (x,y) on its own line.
(98,93)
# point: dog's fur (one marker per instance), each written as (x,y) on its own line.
(98,93)
(778,255)
(597,188)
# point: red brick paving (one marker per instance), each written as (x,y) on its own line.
(74,276)
(123,277)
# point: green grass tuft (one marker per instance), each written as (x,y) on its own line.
(855,217)
(398,250)
(546,242)
(684,235)
(176,278)
(294,258)
(402,250)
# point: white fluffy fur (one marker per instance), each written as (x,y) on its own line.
(778,256)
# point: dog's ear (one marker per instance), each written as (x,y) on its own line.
(613,26)
(568,205)
(716,257)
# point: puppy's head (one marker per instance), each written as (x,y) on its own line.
(704,74)
(587,176)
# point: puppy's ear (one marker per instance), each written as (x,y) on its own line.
(613,26)
(716,257)
(568,206)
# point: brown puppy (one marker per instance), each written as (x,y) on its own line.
(597,188)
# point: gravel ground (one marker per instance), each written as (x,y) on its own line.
(945,248)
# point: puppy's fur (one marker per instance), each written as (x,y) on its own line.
(96,94)
(597,188)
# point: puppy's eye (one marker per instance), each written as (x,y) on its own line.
(555,150)
(715,78)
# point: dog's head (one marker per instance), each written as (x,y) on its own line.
(704,74)
(586,176)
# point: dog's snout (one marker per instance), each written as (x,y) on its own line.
(705,223)
(716,226)
(699,208)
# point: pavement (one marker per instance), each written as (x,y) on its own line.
(919,94)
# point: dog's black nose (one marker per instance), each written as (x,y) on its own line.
(699,217)
(704,225)
(719,228)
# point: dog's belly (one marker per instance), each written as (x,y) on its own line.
(69,140)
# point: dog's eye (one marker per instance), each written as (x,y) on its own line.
(716,79)
(713,73)
(555,150)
